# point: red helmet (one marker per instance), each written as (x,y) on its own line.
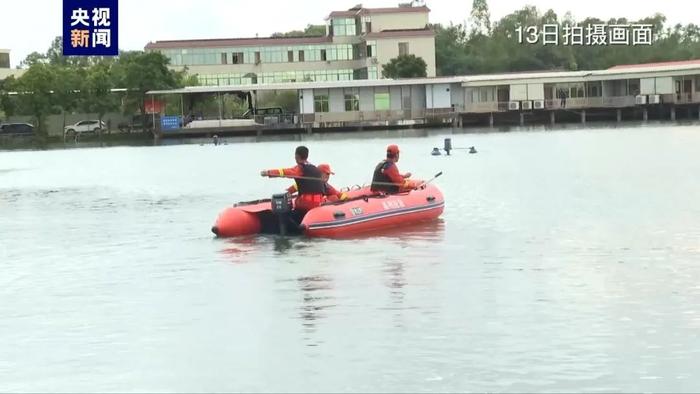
(392,149)
(326,169)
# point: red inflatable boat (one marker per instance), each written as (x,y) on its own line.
(362,212)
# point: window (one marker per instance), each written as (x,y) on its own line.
(371,49)
(323,55)
(224,58)
(4,60)
(372,72)
(382,101)
(352,100)
(257,57)
(301,56)
(594,89)
(403,48)
(321,102)
(290,56)
(484,95)
(237,58)
(366,22)
(344,26)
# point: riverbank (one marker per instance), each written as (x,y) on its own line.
(146,139)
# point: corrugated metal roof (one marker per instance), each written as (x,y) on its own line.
(657,64)
(312,85)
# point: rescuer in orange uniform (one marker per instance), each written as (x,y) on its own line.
(387,178)
(308,179)
(331,193)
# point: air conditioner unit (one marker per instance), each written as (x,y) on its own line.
(526,105)
(538,104)
(513,105)
(639,100)
(654,99)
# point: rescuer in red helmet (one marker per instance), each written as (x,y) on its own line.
(331,193)
(308,179)
(387,178)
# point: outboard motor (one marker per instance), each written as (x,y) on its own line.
(448,145)
(282,207)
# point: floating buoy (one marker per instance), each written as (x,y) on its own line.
(436,152)
(472,149)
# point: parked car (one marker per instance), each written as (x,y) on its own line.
(138,122)
(16,129)
(85,127)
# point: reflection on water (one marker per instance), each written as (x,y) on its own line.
(317,299)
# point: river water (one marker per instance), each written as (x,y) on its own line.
(564,261)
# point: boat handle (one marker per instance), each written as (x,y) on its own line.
(430,198)
(339,215)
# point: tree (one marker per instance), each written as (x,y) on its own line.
(405,66)
(7,104)
(32,59)
(309,31)
(35,93)
(480,18)
(140,72)
(98,97)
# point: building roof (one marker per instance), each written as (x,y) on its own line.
(357,83)
(375,11)
(658,64)
(401,33)
(236,42)
(395,10)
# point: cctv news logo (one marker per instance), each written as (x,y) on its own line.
(90,28)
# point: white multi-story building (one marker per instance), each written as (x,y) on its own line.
(357,43)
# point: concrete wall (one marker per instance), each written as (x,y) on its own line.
(395,93)
(423,47)
(664,85)
(210,69)
(336,100)
(6,72)
(518,92)
(535,91)
(418,100)
(55,123)
(457,96)
(647,86)
(306,101)
(367,99)
(403,20)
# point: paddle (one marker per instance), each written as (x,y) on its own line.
(376,183)
(430,180)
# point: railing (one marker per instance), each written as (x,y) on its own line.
(683,98)
(276,119)
(619,101)
(566,103)
(491,106)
